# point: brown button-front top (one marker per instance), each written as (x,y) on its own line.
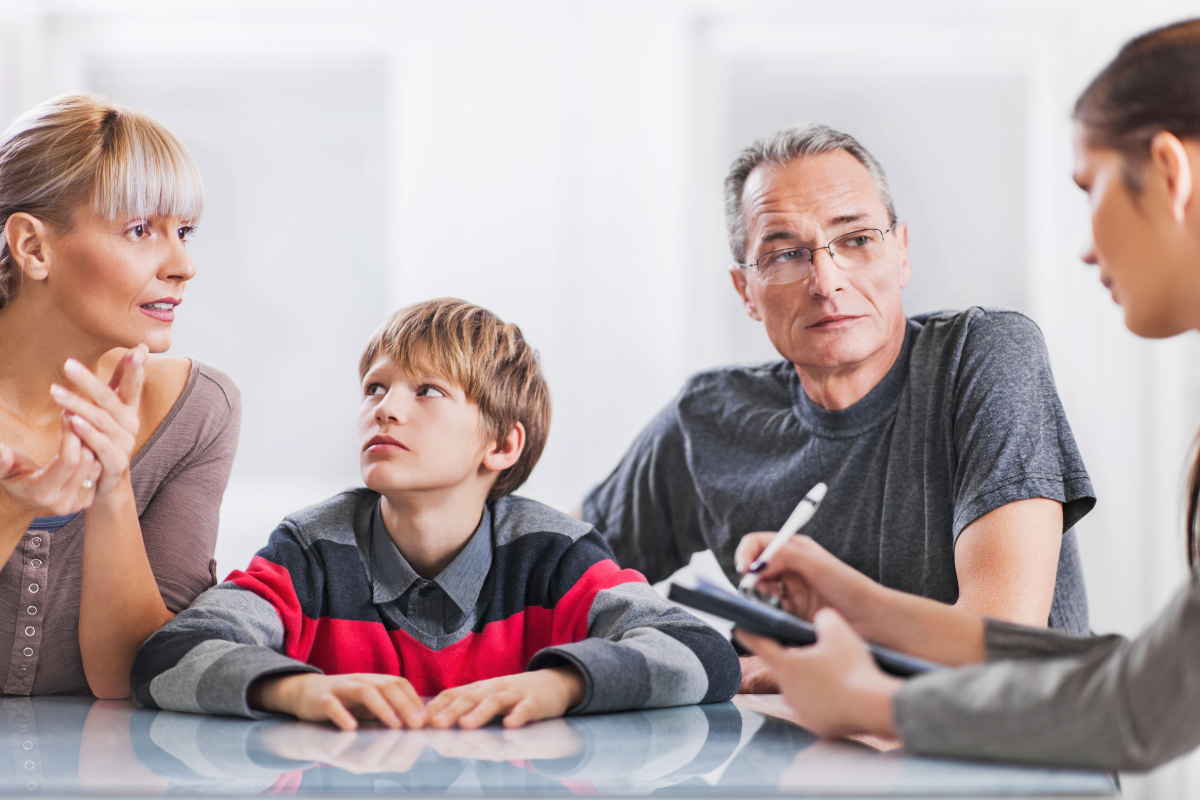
(178,479)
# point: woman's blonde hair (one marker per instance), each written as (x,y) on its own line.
(81,150)
(484,356)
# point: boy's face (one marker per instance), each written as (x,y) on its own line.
(416,436)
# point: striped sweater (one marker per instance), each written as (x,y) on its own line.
(553,596)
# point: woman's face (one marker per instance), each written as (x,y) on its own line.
(1135,244)
(120,280)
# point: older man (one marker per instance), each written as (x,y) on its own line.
(952,470)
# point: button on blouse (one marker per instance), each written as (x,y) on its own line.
(178,477)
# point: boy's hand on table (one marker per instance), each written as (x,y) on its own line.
(523,698)
(341,699)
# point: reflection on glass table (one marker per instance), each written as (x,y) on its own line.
(81,746)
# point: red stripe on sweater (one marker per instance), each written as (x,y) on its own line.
(273,583)
(503,647)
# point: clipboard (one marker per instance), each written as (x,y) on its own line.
(785,628)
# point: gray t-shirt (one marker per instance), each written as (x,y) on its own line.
(966,420)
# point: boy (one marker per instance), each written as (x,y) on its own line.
(434,580)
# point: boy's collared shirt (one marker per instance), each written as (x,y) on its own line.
(439,606)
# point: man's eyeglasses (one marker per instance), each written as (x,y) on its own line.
(850,250)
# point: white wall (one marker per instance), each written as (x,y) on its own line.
(561,163)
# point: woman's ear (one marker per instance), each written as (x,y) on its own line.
(26,236)
(1171,160)
(506,451)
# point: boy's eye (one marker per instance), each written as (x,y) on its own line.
(375,388)
(430,391)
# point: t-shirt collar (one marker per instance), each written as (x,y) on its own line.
(872,409)
(462,580)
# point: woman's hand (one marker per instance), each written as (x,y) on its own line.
(806,577)
(529,696)
(106,416)
(64,486)
(341,699)
(833,685)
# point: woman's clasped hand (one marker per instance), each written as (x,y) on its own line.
(99,423)
(824,683)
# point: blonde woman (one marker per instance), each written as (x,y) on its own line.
(113,459)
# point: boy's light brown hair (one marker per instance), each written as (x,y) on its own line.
(484,356)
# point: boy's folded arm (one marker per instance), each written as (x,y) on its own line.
(643,652)
(205,659)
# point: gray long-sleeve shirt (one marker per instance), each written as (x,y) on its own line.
(1048,697)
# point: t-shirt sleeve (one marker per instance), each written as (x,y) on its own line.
(179,523)
(1011,436)
(646,509)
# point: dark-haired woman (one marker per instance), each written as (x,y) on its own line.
(1043,696)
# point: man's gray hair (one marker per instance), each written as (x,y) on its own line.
(781,148)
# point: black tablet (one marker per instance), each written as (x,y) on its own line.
(783,627)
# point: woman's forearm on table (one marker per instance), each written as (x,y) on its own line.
(120,603)
(921,627)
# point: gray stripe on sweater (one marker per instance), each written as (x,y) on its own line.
(514,517)
(633,605)
(231,612)
(617,678)
(226,682)
(676,675)
(334,520)
(176,688)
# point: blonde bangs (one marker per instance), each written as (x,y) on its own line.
(79,150)
(144,171)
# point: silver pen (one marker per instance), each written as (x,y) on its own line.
(800,516)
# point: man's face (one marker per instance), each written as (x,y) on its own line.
(835,317)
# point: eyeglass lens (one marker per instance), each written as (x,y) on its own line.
(849,251)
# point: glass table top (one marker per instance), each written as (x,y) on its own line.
(68,746)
